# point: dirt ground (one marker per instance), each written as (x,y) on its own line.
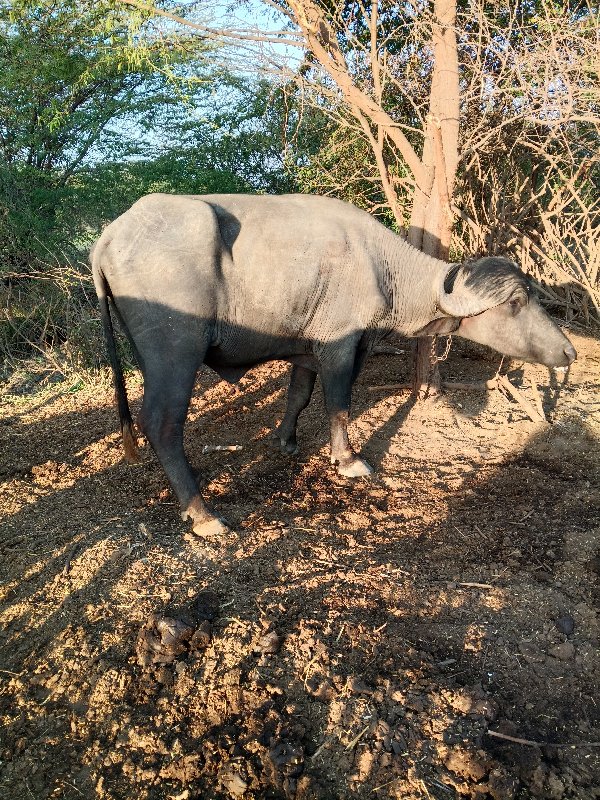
(371,639)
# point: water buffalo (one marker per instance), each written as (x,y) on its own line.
(235,280)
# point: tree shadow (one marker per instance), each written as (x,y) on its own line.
(393,676)
(368,585)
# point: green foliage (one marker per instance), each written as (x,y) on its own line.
(235,140)
(97,109)
(92,117)
(341,165)
(67,91)
(95,112)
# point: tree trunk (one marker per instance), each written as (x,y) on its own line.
(432,218)
(426,379)
(434,173)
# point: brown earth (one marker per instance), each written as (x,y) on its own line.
(349,639)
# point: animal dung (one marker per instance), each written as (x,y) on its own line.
(270,642)
(565,624)
(162,639)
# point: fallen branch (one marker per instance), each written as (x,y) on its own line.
(526,406)
(471,585)
(476,386)
(213,448)
(497,382)
(538,399)
(320,749)
(531,743)
(384,387)
(74,551)
(386,349)
(356,739)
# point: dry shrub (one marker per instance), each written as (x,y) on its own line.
(49,321)
(544,211)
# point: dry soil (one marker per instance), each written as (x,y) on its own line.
(430,632)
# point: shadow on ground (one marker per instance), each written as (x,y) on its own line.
(367,637)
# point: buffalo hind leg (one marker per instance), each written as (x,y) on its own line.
(337,376)
(302,383)
(161,419)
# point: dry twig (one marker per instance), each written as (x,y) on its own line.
(531,743)
(527,407)
(356,739)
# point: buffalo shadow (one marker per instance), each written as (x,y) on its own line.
(275,490)
(383,628)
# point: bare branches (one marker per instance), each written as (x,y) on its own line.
(322,39)
(282,37)
(398,82)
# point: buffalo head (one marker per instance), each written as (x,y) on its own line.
(498,306)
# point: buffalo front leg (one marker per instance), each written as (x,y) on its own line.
(337,387)
(302,383)
(161,419)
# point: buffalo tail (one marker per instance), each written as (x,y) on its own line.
(132,453)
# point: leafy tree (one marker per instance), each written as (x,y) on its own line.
(67,94)
(88,125)
(240,139)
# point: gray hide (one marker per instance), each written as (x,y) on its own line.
(234,280)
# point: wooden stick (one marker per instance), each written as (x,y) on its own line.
(356,739)
(389,387)
(383,785)
(320,749)
(538,399)
(214,448)
(388,350)
(497,382)
(472,585)
(526,406)
(515,739)
(74,551)
(531,743)
(476,386)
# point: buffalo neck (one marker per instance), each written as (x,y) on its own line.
(411,279)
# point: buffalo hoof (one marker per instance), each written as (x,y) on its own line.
(287,448)
(210,528)
(357,468)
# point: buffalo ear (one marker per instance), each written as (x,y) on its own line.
(442,326)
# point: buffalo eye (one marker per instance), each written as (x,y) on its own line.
(515,306)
